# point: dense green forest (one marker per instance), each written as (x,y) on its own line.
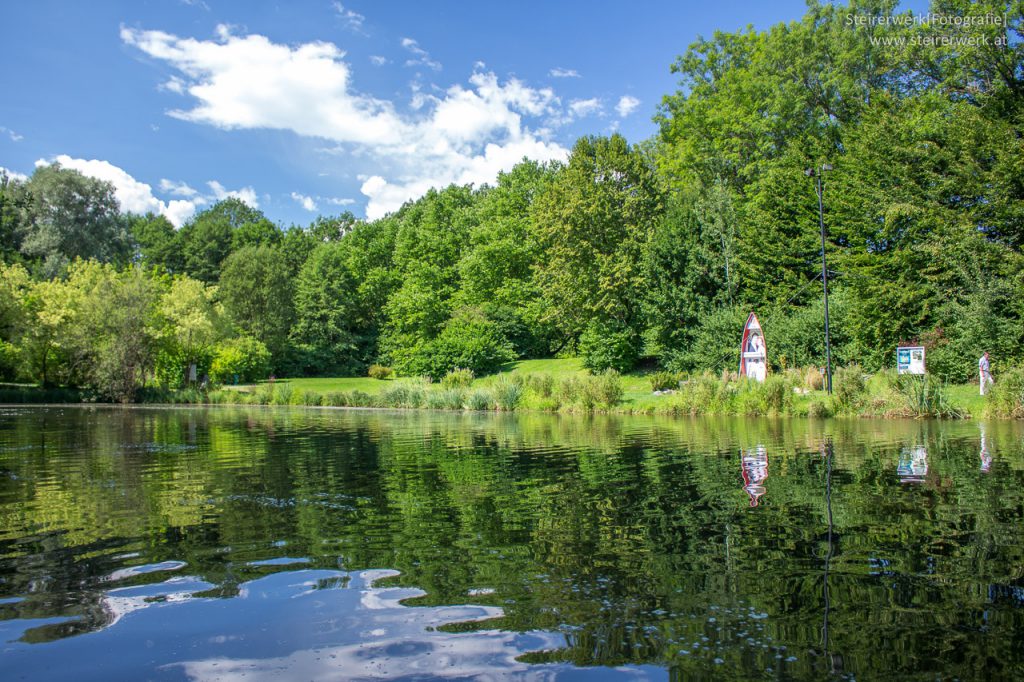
(645,254)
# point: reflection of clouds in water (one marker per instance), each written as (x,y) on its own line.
(913,464)
(365,633)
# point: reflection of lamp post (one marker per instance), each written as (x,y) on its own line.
(816,173)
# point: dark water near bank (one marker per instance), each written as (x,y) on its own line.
(272,544)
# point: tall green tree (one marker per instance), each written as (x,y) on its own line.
(257,291)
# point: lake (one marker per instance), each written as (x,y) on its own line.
(272,543)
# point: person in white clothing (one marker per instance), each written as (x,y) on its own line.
(984,373)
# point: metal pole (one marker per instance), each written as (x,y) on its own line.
(824,281)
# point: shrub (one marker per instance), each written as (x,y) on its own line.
(264,394)
(457,378)
(451,398)
(480,400)
(310,398)
(818,409)
(663,381)
(926,397)
(1005,398)
(507,393)
(360,399)
(244,359)
(282,394)
(403,395)
(813,379)
(379,372)
(777,394)
(336,399)
(541,384)
(607,388)
(469,340)
(848,385)
(608,345)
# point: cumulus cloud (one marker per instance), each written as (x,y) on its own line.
(465,134)
(304,201)
(353,20)
(137,197)
(558,72)
(585,107)
(246,194)
(627,105)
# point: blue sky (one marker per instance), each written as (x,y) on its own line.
(317,107)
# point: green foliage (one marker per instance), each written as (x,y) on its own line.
(608,346)
(663,381)
(68,215)
(379,372)
(716,342)
(1005,398)
(480,400)
(469,341)
(256,288)
(240,360)
(507,393)
(848,385)
(926,396)
(457,378)
(282,395)
(606,388)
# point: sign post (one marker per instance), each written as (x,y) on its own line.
(910,360)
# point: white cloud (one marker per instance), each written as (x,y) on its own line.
(137,197)
(15,137)
(559,72)
(304,201)
(378,60)
(246,194)
(335,201)
(465,134)
(420,56)
(13,175)
(178,189)
(585,107)
(353,20)
(627,105)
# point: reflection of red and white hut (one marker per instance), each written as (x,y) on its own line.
(754,466)
(753,354)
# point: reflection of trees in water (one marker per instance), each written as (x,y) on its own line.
(629,535)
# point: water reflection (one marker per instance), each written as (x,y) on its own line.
(754,467)
(986,456)
(149,543)
(913,464)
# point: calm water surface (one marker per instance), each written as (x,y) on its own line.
(274,544)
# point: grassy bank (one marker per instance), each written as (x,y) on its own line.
(562,385)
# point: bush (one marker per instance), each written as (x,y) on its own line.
(607,388)
(813,379)
(244,359)
(480,400)
(402,395)
(926,397)
(608,345)
(282,394)
(663,381)
(379,372)
(360,399)
(310,399)
(848,385)
(541,384)
(468,340)
(264,394)
(336,399)
(1005,398)
(457,378)
(507,393)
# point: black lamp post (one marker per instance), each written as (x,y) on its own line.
(817,174)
